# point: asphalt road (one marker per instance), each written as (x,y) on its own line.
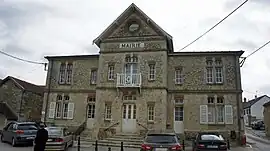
(258,143)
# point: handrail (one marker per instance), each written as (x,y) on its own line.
(80,129)
(142,126)
(111,126)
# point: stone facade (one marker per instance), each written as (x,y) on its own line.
(155,47)
(23,99)
(266,114)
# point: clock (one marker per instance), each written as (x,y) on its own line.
(133,27)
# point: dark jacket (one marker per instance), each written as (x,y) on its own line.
(41,139)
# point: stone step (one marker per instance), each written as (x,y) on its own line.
(105,141)
(123,139)
(90,144)
(128,137)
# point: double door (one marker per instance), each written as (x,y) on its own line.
(129,113)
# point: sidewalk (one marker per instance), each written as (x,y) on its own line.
(259,139)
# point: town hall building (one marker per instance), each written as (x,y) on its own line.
(138,82)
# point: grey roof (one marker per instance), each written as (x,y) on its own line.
(251,102)
(266,104)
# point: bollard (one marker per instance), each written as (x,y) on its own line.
(228,144)
(79,144)
(122,146)
(183,144)
(96,146)
(109,149)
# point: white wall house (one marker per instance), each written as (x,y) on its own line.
(254,107)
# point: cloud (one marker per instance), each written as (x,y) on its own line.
(33,29)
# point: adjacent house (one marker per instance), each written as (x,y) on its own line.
(266,113)
(20,100)
(253,109)
(138,82)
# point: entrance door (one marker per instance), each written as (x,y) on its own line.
(129,118)
(178,119)
(90,115)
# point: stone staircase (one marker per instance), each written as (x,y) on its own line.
(129,140)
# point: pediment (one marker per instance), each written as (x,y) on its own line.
(134,26)
(131,23)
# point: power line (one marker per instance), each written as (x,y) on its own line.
(244,59)
(28,61)
(214,25)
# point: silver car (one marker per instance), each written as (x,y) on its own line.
(59,138)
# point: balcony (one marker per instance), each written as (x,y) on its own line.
(129,80)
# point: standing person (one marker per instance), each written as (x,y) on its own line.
(41,139)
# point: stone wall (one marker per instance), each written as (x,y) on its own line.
(266,114)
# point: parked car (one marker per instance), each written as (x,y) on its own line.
(19,133)
(161,141)
(205,141)
(59,138)
(258,125)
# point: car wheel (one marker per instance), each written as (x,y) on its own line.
(13,143)
(2,139)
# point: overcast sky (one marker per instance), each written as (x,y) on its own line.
(33,28)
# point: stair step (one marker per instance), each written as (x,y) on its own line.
(119,142)
(123,139)
(128,137)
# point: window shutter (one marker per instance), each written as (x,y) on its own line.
(228,114)
(203,114)
(70,111)
(52,110)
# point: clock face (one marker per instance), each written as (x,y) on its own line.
(133,27)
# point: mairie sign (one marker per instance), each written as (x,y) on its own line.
(131,45)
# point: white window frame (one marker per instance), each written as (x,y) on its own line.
(93,76)
(179,114)
(179,76)
(69,71)
(108,112)
(152,72)
(111,72)
(151,113)
(58,109)
(65,110)
(62,73)
(209,75)
(218,74)
(91,107)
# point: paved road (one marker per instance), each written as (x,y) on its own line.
(258,143)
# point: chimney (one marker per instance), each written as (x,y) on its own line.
(255,96)
(245,99)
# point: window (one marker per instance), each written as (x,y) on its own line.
(179,77)
(178,113)
(65,73)
(93,79)
(65,110)
(91,100)
(214,71)
(62,73)
(150,112)
(209,75)
(216,112)
(108,111)
(111,72)
(152,72)
(62,108)
(129,97)
(69,73)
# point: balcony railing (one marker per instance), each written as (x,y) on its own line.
(129,80)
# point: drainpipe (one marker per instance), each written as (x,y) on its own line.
(49,90)
(20,107)
(238,88)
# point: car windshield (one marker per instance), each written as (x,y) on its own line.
(211,137)
(54,131)
(27,127)
(160,138)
